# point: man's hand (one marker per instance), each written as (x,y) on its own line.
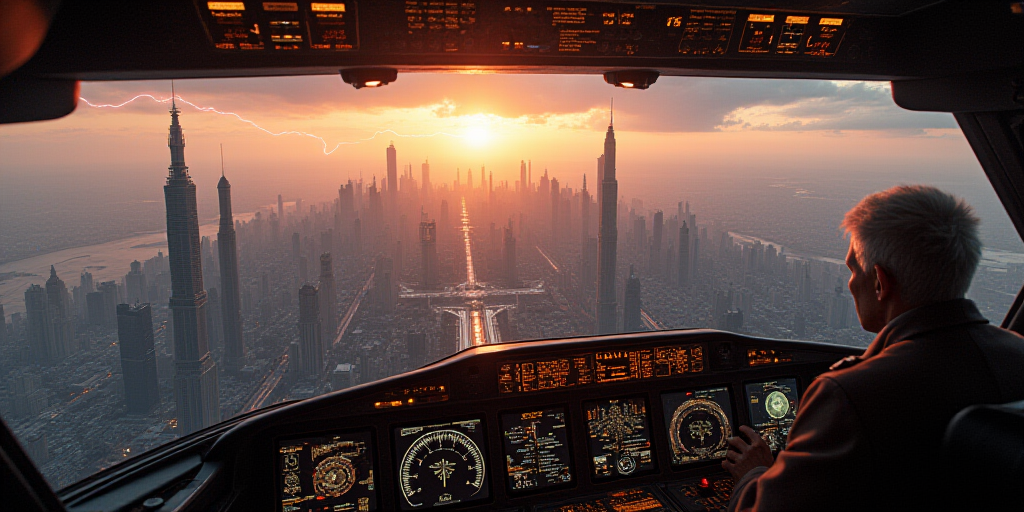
(744,456)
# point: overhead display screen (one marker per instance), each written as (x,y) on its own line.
(699,424)
(441,464)
(536,449)
(619,437)
(331,472)
(772,406)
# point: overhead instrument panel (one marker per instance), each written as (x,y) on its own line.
(772,406)
(699,424)
(599,367)
(281,26)
(441,464)
(521,27)
(536,449)
(332,471)
(619,437)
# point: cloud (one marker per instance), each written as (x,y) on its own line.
(673,104)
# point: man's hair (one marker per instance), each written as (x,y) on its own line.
(925,238)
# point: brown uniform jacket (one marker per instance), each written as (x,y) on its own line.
(868,434)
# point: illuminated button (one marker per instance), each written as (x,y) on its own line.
(703,483)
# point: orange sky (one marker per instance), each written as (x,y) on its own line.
(680,126)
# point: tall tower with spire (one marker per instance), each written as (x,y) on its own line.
(607,237)
(196,393)
(231,302)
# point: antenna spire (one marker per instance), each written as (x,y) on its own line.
(172,94)
(222,160)
(611,121)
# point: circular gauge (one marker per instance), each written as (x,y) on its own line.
(444,466)
(776,404)
(333,476)
(626,465)
(699,429)
(292,484)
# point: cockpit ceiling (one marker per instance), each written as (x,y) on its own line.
(855,39)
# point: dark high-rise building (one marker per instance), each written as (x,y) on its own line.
(392,177)
(328,299)
(556,199)
(509,271)
(196,393)
(60,315)
(280,208)
(584,213)
(94,308)
(138,357)
(607,238)
(631,321)
(230,292)
(103,304)
(523,185)
(385,292)
(311,345)
(39,327)
(428,253)
(135,284)
(3,327)
(683,275)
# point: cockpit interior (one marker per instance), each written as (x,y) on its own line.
(624,422)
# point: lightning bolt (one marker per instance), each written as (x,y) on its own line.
(323,142)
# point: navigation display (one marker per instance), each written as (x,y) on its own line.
(441,464)
(699,424)
(619,437)
(536,449)
(331,472)
(772,407)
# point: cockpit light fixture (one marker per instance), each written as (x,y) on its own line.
(636,79)
(369,77)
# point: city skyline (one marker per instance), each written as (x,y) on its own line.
(346,280)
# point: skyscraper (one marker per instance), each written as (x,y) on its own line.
(522,181)
(385,291)
(328,299)
(392,178)
(135,284)
(196,392)
(510,271)
(584,213)
(425,180)
(230,295)
(428,253)
(607,238)
(683,276)
(311,345)
(555,201)
(631,309)
(39,327)
(60,315)
(280,208)
(138,357)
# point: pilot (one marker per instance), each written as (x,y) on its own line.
(868,434)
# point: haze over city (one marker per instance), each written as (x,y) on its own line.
(349,268)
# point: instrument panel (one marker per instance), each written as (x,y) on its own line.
(526,28)
(459,434)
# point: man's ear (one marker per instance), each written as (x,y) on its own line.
(885,285)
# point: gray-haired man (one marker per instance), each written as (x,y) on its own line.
(868,433)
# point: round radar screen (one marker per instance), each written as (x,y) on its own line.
(333,476)
(776,404)
(699,430)
(444,466)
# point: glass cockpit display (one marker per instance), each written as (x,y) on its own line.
(536,449)
(772,405)
(619,437)
(699,424)
(441,464)
(331,472)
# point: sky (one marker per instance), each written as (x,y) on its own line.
(678,128)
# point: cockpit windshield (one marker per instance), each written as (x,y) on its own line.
(167,263)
